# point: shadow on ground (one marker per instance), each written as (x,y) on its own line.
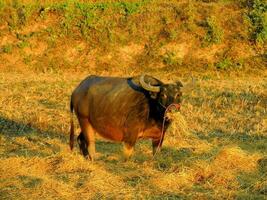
(25,140)
(251,143)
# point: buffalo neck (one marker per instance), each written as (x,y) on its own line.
(157,112)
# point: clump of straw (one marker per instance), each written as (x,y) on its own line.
(225,166)
(179,126)
(179,135)
(235,159)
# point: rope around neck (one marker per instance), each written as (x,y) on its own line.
(177,106)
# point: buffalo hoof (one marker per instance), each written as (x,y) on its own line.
(127,151)
(88,157)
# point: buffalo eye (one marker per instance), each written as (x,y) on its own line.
(177,95)
(164,96)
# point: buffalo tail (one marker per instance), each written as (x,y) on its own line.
(71,126)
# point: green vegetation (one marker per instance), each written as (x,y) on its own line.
(90,18)
(257,15)
(226,63)
(30,182)
(169,59)
(217,152)
(23,44)
(153,25)
(214,33)
(7,48)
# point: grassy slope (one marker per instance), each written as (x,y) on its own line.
(138,36)
(45,54)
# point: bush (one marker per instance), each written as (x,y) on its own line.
(226,63)
(214,32)
(258,18)
(7,48)
(189,15)
(170,59)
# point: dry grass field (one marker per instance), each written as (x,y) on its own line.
(216,147)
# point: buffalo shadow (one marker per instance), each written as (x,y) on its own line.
(10,130)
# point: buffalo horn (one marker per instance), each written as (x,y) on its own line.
(147,86)
(188,86)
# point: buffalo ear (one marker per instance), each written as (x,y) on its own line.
(153,95)
(178,83)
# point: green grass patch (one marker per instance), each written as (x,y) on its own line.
(23,44)
(83,178)
(214,34)
(7,48)
(63,177)
(135,180)
(252,185)
(258,18)
(251,143)
(30,181)
(167,196)
(224,64)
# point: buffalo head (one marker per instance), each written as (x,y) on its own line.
(164,94)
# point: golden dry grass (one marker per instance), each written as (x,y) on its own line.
(214,149)
(206,153)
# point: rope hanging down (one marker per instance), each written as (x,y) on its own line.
(177,106)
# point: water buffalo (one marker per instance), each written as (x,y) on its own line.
(122,110)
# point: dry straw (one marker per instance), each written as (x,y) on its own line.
(222,170)
(179,135)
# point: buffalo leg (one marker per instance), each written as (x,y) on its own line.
(89,136)
(127,150)
(83,145)
(156,145)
